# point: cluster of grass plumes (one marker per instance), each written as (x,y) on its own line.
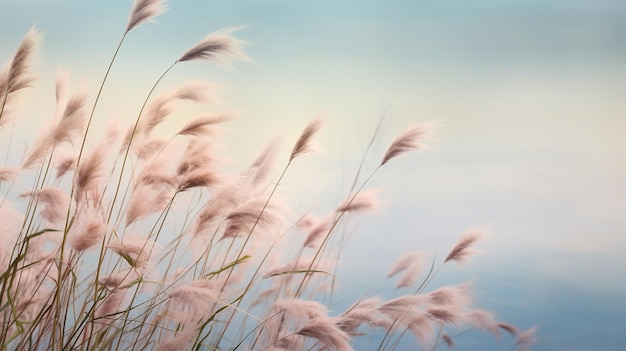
(133,242)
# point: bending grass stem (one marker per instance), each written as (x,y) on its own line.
(132,136)
(330,230)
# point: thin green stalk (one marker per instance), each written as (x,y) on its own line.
(369,146)
(132,136)
(95,103)
(429,277)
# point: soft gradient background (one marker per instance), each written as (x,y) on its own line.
(531,101)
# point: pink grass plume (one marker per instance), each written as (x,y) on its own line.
(144,11)
(411,138)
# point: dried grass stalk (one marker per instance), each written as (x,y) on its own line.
(17,75)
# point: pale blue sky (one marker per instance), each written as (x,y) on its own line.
(529,96)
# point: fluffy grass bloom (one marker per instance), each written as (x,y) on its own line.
(327,333)
(203,126)
(69,123)
(17,75)
(411,265)
(305,141)
(255,214)
(144,11)
(88,229)
(410,139)
(216,47)
(136,250)
(91,172)
(526,339)
(463,248)
(363,201)
(8,174)
(55,202)
(316,231)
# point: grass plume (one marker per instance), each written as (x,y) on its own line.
(144,11)
(17,75)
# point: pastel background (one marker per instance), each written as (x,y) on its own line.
(530,97)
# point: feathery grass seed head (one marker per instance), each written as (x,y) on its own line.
(216,48)
(144,11)
(17,76)
(364,201)
(8,174)
(203,125)
(327,333)
(410,139)
(304,143)
(463,248)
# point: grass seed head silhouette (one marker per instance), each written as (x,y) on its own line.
(144,11)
